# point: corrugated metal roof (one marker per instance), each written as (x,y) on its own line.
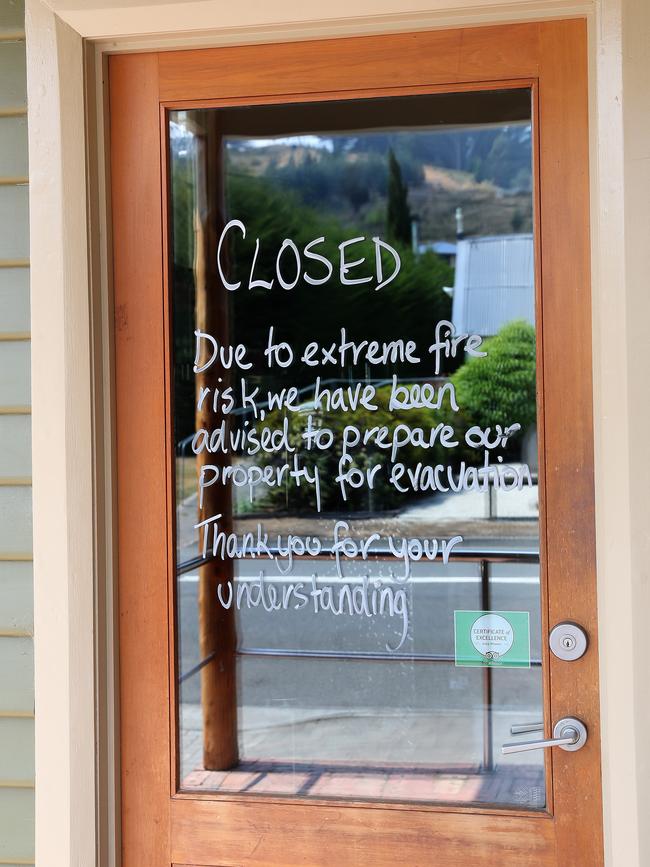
(494,283)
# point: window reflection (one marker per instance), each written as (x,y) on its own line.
(324,699)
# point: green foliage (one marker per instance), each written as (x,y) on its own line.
(383,496)
(182,190)
(497,154)
(408,307)
(507,163)
(398,214)
(496,389)
(500,388)
(333,179)
(517,221)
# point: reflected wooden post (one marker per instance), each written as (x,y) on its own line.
(217,629)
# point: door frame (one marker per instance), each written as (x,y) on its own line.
(72,400)
(552,56)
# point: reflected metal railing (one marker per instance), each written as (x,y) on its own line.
(484,559)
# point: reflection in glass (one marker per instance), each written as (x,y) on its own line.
(339,676)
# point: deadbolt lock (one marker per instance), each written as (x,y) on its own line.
(568,641)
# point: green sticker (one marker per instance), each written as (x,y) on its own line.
(498,639)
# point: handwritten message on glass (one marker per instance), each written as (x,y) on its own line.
(354,404)
(341,441)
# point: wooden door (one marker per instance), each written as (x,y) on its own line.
(169,816)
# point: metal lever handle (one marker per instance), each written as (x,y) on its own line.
(527,728)
(568,734)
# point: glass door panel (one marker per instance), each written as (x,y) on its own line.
(358,607)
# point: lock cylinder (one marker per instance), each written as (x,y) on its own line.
(568,641)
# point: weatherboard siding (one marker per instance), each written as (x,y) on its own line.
(16,592)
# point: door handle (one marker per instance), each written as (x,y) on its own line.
(527,728)
(568,734)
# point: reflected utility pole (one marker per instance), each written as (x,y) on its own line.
(217,629)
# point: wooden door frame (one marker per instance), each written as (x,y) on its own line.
(552,55)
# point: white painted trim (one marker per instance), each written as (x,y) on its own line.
(72,465)
(155,21)
(62,447)
(620,120)
(609,309)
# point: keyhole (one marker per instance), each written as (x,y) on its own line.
(567,641)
